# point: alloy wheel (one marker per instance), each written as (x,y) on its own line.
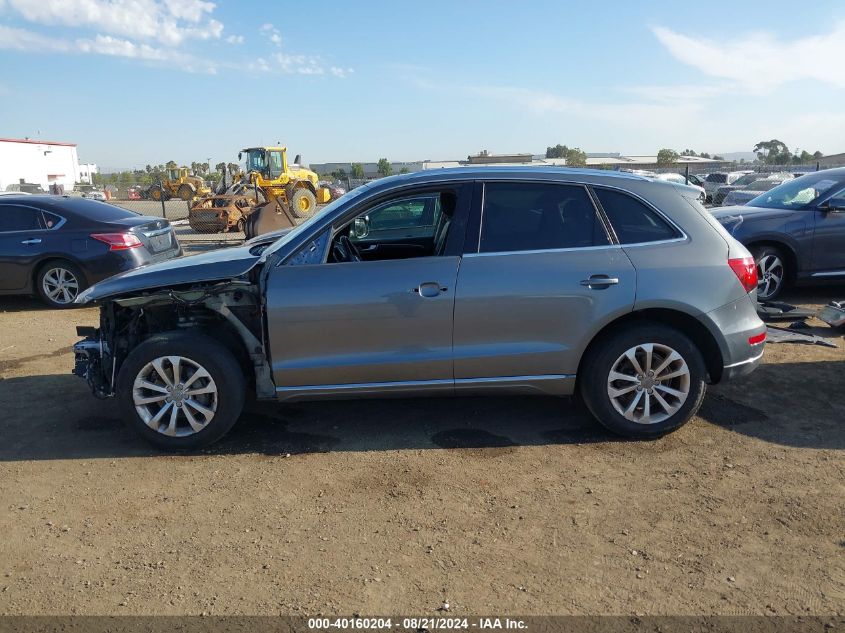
(175,396)
(769,276)
(60,285)
(648,383)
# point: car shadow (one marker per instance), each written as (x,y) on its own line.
(55,417)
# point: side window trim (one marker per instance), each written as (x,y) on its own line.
(597,210)
(680,234)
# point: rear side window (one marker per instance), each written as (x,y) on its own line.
(536,216)
(633,221)
(14,218)
(718,178)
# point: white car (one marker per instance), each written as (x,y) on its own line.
(681,180)
(95,195)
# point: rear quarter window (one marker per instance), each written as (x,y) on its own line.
(633,221)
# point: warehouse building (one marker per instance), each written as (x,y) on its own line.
(41,163)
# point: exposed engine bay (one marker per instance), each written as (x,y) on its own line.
(229,311)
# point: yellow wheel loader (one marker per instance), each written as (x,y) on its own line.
(179,184)
(286,188)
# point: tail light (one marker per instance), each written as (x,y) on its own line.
(757,338)
(118,241)
(746,271)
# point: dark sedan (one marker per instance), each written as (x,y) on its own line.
(795,231)
(58,246)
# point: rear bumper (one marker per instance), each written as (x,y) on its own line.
(735,323)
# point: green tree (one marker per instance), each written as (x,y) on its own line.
(558,151)
(384,167)
(404,170)
(717,157)
(667,157)
(704,155)
(688,152)
(220,168)
(772,152)
(339,174)
(171,164)
(575,157)
(357,170)
(817,155)
(233,168)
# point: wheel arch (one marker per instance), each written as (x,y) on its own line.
(788,250)
(691,326)
(42,262)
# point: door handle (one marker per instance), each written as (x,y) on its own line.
(429,289)
(599,281)
(34,240)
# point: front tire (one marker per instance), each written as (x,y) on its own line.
(186,192)
(643,381)
(771,272)
(181,391)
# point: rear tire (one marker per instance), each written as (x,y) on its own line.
(156,194)
(772,272)
(186,411)
(59,282)
(621,394)
(303,203)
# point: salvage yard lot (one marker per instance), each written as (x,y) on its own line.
(520,506)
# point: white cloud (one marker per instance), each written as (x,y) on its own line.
(760,62)
(273,34)
(343,73)
(23,40)
(235,39)
(167,21)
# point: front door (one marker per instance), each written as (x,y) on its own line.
(544,273)
(347,323)
(829,241)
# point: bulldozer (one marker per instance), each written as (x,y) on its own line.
(179,183)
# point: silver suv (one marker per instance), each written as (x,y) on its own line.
(455,282)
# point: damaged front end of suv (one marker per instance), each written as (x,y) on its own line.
(220,310)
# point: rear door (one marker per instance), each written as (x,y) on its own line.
(544,272)
(21,244)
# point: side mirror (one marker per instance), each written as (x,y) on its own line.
(360,228)
(835,204)
(298,159)
(240,155)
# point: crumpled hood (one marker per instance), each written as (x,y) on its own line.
(225,263)
(746,212)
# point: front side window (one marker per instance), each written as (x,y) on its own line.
(633,222)
(275,164)
(414,212)
(537,216)
(717,178)
(312,252)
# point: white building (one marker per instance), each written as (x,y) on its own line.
(38,162)
(86,172)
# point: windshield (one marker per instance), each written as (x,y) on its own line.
(316,218)
(254,160)
(798,193)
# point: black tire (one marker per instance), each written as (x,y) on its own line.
(594,380)
(48,268)
(204,351)
(186,192)
(249,229)
(772,281)
(157,194)
(301,198)
(240,227)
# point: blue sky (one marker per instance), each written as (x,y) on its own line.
(145,81)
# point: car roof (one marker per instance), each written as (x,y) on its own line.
(572,174)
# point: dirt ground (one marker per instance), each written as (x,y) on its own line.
(506,506)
